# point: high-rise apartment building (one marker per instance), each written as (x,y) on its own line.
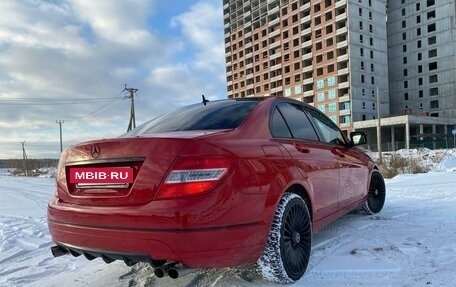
(422,57)
(328,53)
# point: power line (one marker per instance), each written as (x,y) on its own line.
(55,102)
(99,109)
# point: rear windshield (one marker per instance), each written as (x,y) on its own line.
(226,114)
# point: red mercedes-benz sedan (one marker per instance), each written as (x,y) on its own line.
(214,184)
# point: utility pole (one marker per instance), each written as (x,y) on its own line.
(60,122)
(132,91)
(379,129)
(24,159)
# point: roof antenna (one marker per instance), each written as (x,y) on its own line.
(204,100)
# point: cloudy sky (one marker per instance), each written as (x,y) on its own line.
(70,59)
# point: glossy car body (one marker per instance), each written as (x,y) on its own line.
(228,223)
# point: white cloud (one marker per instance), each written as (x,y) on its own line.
(202,25)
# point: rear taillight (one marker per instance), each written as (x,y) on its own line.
(193,175)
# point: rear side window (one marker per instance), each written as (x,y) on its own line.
(297,121)
(279,128)
(227,114)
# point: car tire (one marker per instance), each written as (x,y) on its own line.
(287,251)
(376,195)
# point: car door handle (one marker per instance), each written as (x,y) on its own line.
(301,148)
(337,152)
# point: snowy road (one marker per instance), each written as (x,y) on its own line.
(412,242)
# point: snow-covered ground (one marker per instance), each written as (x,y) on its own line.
(412,242)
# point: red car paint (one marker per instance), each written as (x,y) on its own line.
(226,225)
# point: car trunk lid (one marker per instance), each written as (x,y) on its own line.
(147,158)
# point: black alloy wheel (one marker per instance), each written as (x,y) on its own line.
(376,195)
(295,243)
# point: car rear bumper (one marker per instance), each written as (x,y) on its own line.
(198,247)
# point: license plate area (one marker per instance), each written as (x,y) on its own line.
(101,177)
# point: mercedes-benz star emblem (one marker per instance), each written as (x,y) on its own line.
(95,151)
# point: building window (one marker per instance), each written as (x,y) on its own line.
(364,105)
(434,91)
(320,84)
(430,2)
(372,80)
(432,66)
(418,19)
(297,89)
(434,104)
(360,12)
(404,36)
(371,54)
(361,52)
(403,11)
(360,38)
(418,44)
(371,28)
(433,79)
(321,108)
(362,79)
(420,69)
(405,72)
(432,40)
(370,15)
(287,92)
(345,106)
(331,81)
(345,119)
(360,25)
(406,97)
(373,106)
(373,93)
(418,31)
(403,24)
(419,56)
(363,92)
(431,28)
(404,60)
(420,93)
(332,107)
(405,84)
(362,65)
(372,67)
(404,48)
(432,53)
(371,41)
(320,97)
(431,14)
(331,94)
(420,81)
(420,106)
(417,6)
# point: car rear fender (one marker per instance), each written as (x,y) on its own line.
(299,187)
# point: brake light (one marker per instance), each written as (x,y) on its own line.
(192,176)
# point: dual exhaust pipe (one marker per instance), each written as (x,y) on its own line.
(171,270)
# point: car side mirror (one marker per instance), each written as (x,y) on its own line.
(358,138)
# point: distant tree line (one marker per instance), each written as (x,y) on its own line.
(31,163)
